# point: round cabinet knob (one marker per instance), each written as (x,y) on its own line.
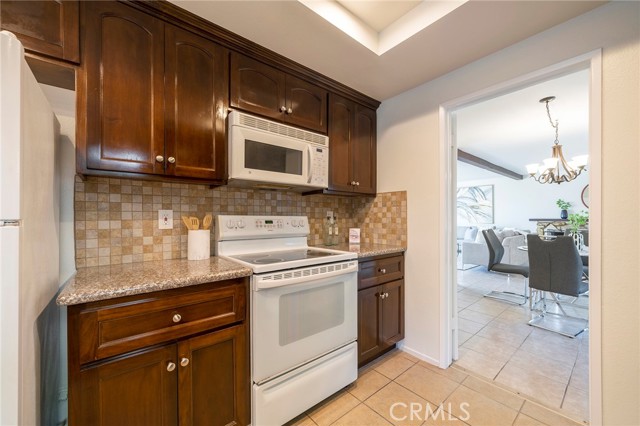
(184,362)
(353,183)
(283,108)
(159,158)
(289,110)
(171,366)
(357,183)
(382,271)
(177,318)
(171,160)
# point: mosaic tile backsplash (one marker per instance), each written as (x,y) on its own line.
(116,220)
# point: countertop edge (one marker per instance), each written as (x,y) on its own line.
(68,297)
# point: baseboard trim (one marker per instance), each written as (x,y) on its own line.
(426,358)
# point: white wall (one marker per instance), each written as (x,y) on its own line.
(517,201)
(408,149)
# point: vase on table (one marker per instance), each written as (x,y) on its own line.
(564,214)
(578,240)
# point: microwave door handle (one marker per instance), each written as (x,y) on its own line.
(310,163)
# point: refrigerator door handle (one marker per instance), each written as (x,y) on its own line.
(9,222)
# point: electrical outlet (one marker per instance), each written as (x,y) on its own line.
(165,219)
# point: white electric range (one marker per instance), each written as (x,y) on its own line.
(303,313)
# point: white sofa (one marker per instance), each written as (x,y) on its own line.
(477,252)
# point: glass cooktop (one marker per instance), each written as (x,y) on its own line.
(281,256)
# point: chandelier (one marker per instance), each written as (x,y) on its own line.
(556,169)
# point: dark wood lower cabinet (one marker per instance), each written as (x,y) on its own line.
(211,386)
(191,377)
(136,389)
(380,306)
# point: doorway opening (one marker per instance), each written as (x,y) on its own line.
(491,337)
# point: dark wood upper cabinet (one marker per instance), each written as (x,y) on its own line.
(267,91)
(196,92)
(49,27)
(155,97)
(123,57)
(352,147)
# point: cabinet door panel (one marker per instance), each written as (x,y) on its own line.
(308,104)
(341,113)
(195,103)
(124,58)
(256,87)
(368,324)
(134,390)
(46,27)
(392,328)
(214,386)
(363,145)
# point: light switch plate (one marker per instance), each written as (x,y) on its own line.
(165,219)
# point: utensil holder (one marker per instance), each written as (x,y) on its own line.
(198,244)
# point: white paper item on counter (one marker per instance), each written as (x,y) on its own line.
(354,235)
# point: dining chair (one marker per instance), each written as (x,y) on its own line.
(496,252)
(555,268)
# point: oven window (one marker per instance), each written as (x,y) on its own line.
(308,312)
(272,158)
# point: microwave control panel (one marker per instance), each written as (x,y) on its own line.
(319,166)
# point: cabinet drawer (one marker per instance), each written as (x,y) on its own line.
(140,321)
(379,271)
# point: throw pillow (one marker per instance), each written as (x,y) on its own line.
(470,233)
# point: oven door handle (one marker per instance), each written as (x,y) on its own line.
(301,276)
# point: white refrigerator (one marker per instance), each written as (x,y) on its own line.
(29,235)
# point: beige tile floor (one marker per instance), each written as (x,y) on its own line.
(389,388)
(497,344)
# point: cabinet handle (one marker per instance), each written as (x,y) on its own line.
(357,183)
(382,271)
(159,158)
(289,111)
(171,160)
(171,366)
(353,183)
(184,362)
(177,318)
(283,108)
(382,296)
(386,295)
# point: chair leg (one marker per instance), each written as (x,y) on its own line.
(509,296)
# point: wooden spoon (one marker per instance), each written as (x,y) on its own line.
(195,222)
(186,221)
(206,222)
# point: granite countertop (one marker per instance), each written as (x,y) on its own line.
(368,250)
(108,282)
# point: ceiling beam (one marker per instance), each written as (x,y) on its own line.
(465,157)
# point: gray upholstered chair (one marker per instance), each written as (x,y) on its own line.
(555,268)
(496,252)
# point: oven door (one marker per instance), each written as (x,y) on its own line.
(265,157)
(311,314)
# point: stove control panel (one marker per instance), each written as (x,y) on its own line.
(235,227)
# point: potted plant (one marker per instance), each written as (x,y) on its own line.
(577,221)
(564,205)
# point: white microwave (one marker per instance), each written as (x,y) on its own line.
(270,155)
